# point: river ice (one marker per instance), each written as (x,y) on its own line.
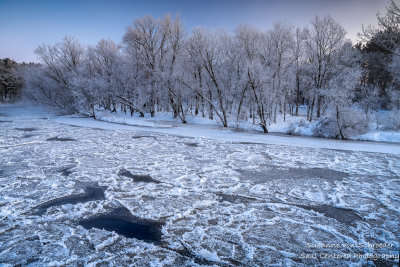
(218,202)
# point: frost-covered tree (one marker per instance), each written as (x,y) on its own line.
(103,63)
(256,52)
(173,62)
(250,74)
(323,40)
(146,43)
(207,55)
(280,37)
(239,100)
(62,61)
(340,91)
(298,53)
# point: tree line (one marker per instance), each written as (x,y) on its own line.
(230,77)
(11,81)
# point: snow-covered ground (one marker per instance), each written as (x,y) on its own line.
(198,127)
(297,125)
(222,197)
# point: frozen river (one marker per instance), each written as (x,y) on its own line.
(75,195)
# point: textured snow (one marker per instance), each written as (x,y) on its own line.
(129,120)
(381,136)
(296,125)
(233,199)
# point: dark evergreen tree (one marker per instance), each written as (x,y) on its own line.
(10,81)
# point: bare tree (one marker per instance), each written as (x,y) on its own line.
(249,75)
(325,37)
(298,64)
(62,61)
(251,41)
(281,40)
(207,52)
(146,41)
(173,61)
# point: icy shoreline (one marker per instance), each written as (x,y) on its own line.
(228,134)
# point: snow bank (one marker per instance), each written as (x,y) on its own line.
(231,135)
(381,136)
(130,120)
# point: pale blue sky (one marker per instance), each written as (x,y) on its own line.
(25,24)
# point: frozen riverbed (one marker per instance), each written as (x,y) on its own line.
(71,194)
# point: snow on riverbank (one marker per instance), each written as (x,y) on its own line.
(166,125)
(133,120)
(199,127)
(381,136)
(293,125)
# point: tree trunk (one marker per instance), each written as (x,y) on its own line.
(114,107)
(202,108)
(319,106)
(196,106)
(284,109)
(173,105)
(338,123)
(312,109)
(210,107)
(297,94)
(264,127)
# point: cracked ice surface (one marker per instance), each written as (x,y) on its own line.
(230,203)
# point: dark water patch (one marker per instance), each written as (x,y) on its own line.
(248,143)
(28,129)
(91,194)
(137,177)
(290,174)
(60,139)
(192,144)
(28,135)
(3,121)
(144,136)
(345,216)
(66,171)
(181,137)
(121,221)
(234,199)
(2,114)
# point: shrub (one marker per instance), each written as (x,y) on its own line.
(351,122)
(391,121)
(294,127)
